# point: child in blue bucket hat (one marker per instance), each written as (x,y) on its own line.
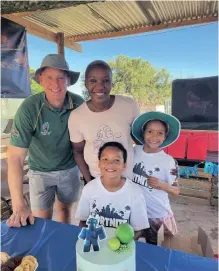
(154,170)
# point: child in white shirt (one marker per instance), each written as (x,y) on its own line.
(115,199)
(154,170)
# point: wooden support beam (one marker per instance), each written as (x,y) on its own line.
(143,29)
(44,33)
(60,43)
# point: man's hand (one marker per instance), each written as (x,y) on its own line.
(156,183)
(19,218)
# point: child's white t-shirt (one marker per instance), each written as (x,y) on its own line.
(113,208)
(158,165)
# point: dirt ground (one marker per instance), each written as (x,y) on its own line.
(192,213)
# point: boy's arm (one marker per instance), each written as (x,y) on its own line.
(83,210)
(139,217)
(138,234)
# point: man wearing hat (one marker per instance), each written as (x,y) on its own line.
(40,129)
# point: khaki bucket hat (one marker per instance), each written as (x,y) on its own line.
(57,62)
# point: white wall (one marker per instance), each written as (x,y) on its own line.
(160,108)
(9,108)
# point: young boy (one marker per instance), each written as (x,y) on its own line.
(115,199)
(154,170)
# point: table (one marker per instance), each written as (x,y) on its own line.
(53,244)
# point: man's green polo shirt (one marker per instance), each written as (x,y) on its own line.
(44,131)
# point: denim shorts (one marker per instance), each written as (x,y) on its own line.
(46,186)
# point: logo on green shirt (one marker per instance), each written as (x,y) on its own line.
(45,129)
(15,133)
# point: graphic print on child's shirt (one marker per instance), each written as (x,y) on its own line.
(108,215)
(141,174)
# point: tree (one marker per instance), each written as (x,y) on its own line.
(35,88)
(139,79)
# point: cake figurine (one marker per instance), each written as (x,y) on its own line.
(115,252)
(91,234)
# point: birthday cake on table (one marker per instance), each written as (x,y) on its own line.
(105,249)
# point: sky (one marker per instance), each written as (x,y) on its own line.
(184,52)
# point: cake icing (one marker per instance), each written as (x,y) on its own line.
(106,259)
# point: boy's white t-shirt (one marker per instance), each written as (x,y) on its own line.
(97,128)
(158,165)
(113,208)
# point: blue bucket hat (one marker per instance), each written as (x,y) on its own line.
(173,124)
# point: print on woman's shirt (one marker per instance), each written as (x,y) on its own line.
(109,216)
(104,135)
(140,176)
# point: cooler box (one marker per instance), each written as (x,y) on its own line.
(178,148)
(213,142)
(197,147)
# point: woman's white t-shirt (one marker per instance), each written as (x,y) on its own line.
(97,128)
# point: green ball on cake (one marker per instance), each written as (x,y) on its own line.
(114,243)
(125,233)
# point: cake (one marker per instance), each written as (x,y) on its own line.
(113,255)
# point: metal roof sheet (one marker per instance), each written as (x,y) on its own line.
(97,20)
(113,16)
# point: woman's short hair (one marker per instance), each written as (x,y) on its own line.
(97,64)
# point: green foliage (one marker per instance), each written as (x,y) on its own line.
(35,88)
(85,94)
(139,79)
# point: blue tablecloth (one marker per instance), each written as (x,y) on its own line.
(53,244)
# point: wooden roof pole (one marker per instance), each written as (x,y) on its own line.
(60,43)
